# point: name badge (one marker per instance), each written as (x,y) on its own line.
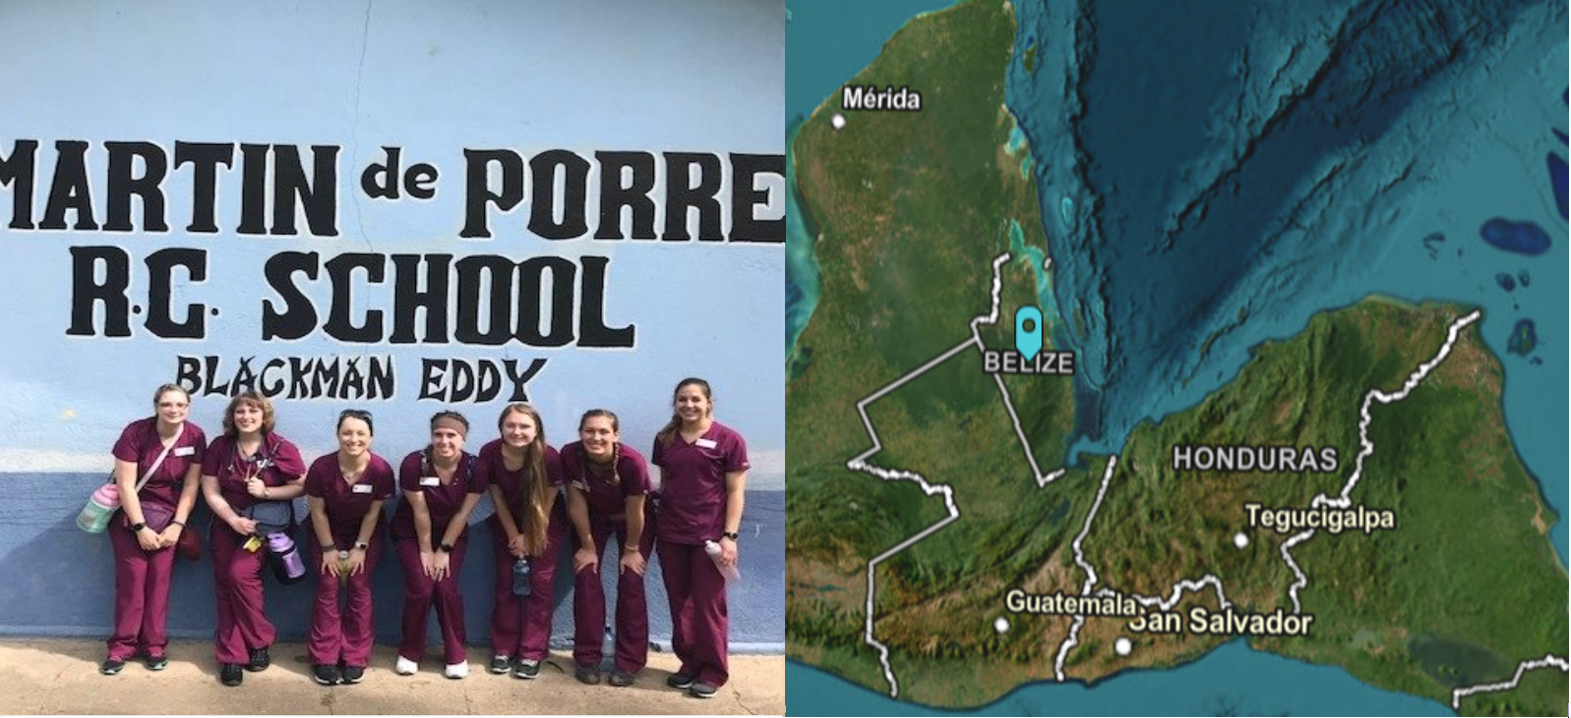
(185,451)
(430,481)
(362,488)
(706,443)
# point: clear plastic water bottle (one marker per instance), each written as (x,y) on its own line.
(343,569)
(730,572)
(521,584)
(282,547)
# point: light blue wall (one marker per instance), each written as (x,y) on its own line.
(434,79)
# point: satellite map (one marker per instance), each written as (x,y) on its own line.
(1177,357)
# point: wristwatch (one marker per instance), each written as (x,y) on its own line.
(363,546)
(445,548)
(137,528)
(730,535)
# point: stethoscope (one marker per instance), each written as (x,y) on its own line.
(261,461)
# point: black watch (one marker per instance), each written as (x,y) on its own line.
(731,535)
(445,548)
(137,528)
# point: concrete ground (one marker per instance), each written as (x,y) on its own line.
(61,676)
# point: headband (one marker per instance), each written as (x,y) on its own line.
(448,422)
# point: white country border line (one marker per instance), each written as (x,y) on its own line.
(860,464)
(1080,560)
(1548,661)
(1366,447)
(991,317)
(1091,580)
(1190,585)
(872,566)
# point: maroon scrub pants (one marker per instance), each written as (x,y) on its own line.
(237,577)
(420,593)
(344,634)
(141,595)
(521,626)
(696,589)
(632,613)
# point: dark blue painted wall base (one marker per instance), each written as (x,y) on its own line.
(56,580)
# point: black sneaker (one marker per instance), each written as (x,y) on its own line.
(587,674)
(702,690)
(325,674)
(157,663)
(621,678)
(259,660)
(501,664)
(230,674)
(110,666)
(354,674)
(526,669)
(681,682)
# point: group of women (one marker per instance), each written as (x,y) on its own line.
(162,462)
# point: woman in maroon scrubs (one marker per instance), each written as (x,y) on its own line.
(346,490)
(703,469)
(150,524)
(524,474)
(441,485)
(247,465)
(607,483)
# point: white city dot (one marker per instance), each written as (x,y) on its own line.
(1240,540)
(1001,624)
(1123,646)
(838,121)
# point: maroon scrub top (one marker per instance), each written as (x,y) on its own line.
(276,461)
(346,503)
(139,444)
(442,501)
(605,499)
(692,487)
(494,468)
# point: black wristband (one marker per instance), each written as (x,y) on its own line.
(445,548)
(731,535)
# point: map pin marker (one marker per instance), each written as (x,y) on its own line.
(1028,332)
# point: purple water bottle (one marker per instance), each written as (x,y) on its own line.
(288,567)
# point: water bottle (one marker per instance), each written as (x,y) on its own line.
(730,572)
(343,569)
(99,509)
(288,567)
(521,584)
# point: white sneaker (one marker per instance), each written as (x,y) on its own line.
(457,670)
(406,667)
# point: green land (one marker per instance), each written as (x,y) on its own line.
(910,210)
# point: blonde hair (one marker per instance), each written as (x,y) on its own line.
(536,485)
